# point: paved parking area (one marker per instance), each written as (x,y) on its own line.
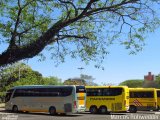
(147,115)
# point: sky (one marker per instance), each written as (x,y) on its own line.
(118,65)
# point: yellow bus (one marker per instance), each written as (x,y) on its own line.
(51,99)
(158,99)
(105,99)
(142,99)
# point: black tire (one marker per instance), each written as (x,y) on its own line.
(93,109)
(103,110)
(132,109)
(15,109)
(63,114)
(52,110)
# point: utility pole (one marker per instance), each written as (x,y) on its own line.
(19,73)
(81,68)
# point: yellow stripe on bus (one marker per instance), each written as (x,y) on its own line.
(81,98)
(33,110)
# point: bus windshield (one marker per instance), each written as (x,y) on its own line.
(8,95)
(80,89)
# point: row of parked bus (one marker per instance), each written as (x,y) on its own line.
(105,99)
(73,99)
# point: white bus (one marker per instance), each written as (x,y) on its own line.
(52,99)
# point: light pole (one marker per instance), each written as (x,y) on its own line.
(81,68)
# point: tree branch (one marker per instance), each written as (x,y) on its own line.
(12,41)
(73,36)
(72,4)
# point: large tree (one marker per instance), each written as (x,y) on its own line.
(89,79)
(73,27)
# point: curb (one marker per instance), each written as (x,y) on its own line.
(157,113)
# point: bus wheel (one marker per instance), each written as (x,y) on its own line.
(132,109)
(103,110)
(15,109)
(52,110)
(93,109)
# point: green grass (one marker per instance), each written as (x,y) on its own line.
(2,105)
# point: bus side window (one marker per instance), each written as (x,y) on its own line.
(89,92)
(64,91)
(99,92)
(158,93)
(138,95)
(132,95)
(18,93)
(105,92)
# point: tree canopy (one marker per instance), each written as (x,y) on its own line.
(157,81)
(75,81)
(82,80)
(21,74)
(132,83)
(73,27)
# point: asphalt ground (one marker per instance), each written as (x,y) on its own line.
(145,115)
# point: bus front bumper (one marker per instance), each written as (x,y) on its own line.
(81,109)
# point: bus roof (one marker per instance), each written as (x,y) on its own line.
(142,89)
(106,87)
(42,86)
